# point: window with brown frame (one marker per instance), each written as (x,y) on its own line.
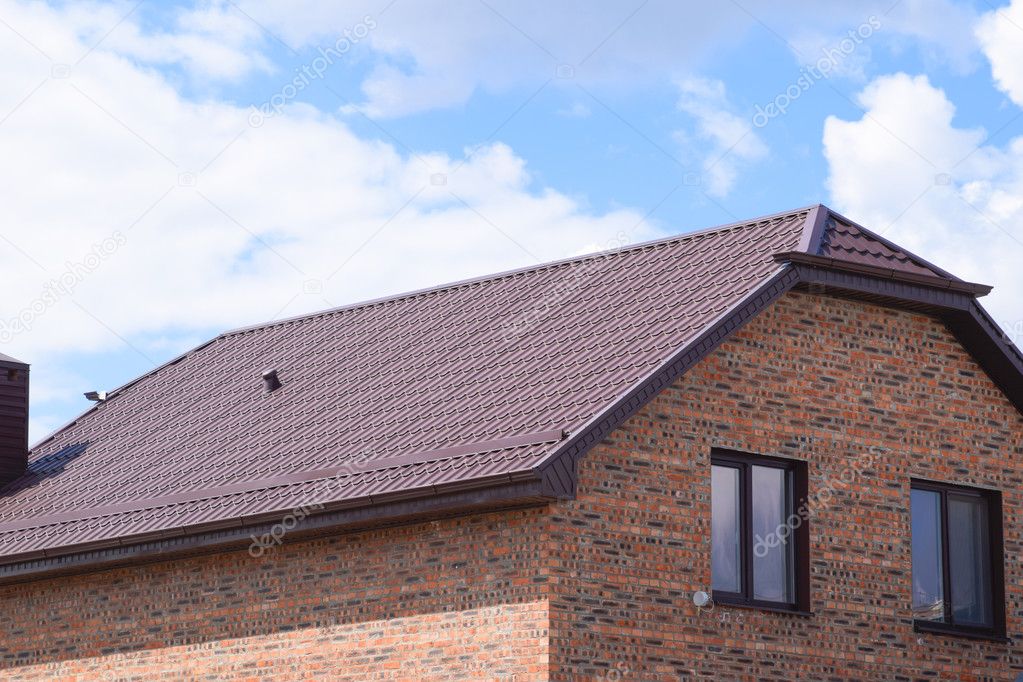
(958,582)
(759,531)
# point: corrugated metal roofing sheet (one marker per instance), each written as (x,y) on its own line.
(448,385)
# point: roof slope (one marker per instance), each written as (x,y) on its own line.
(845,240)
(446,388)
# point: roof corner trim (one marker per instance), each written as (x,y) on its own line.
(813,231)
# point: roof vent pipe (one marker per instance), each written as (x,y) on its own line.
(270,380)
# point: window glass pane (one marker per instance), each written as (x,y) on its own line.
(725,557)
(928,592)
(772,539)
(969,560)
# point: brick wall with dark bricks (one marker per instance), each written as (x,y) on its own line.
(600,587)
(870,397)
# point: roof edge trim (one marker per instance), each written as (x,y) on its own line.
(7,360)
(885,273)
(435,501)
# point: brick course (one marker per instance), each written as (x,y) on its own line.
(600,587)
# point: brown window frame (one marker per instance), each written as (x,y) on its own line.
(996,560)
(800,537)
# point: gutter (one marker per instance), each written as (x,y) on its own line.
(495,493)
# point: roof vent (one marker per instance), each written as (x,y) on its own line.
(97,396)
(270,380)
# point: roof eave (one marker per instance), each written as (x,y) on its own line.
(884,273)
(9,362)
(506,491)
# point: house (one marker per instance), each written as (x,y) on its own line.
(780,449)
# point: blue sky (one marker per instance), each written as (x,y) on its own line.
(178,169)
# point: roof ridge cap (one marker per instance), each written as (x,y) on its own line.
(456,284)
(812,240)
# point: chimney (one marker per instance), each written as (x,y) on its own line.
(13,419)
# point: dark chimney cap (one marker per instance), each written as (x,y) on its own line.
(270,380)
(96,396)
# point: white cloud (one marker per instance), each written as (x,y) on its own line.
(437,53)
(937,28)
(844,42)
(210,43)
(224,224)
(906,170)
(1000,32)
(726,139)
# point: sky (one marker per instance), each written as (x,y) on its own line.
(175,170)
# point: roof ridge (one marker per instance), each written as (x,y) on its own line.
(480,279)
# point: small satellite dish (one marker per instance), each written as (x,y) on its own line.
(701,599)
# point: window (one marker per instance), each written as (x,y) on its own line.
(759,536)
(957,559)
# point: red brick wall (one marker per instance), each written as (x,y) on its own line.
(819,379)
(600,587)
(455,599)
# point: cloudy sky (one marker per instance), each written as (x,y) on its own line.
(173,170)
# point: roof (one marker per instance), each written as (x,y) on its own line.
(464,386)
(7,359)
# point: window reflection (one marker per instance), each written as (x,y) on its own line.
(725,554)
(771,547)
(928,590)
(969,559)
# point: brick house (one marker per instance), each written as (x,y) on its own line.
(776,450)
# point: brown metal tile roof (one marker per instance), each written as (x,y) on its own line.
(458,386)
(847,241)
